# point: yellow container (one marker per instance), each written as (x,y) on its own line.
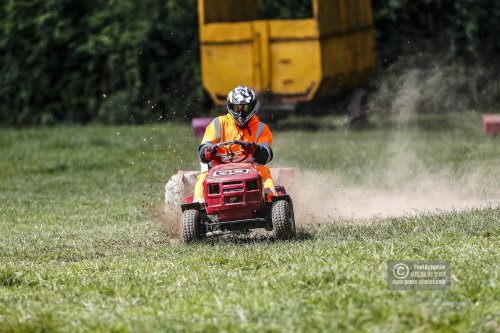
(289,61)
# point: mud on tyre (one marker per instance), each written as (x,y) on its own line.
(283,220)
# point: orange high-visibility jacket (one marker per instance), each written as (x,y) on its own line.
(224,128)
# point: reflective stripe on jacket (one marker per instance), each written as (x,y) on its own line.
(224,128)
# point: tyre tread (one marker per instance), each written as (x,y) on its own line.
(190,225)
(282,228)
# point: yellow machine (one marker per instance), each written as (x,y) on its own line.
(289,61)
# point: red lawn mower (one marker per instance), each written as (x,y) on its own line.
(235,201)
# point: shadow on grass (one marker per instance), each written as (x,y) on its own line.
(253,238)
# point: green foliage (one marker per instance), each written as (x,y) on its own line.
(466,29)
(284,9)
(120,61)
(134,61)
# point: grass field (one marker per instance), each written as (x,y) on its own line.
(82,247)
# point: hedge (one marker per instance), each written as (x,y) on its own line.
(128,61)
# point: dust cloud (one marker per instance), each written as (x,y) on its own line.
(170,220)
(325,198)
(405,185)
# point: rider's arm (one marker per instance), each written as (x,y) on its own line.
(263,151)
(209,138)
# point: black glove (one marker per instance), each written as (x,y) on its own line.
(249,147)
(210,152)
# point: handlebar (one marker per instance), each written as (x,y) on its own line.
(230,155)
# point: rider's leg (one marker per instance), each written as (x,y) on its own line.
(198,188)
(267,180)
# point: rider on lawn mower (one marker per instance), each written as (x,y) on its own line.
(242,124)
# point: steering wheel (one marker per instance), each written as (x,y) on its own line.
(231,156)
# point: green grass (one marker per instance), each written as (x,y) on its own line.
(82,248)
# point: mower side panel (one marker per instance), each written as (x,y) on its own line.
(194,205)
(285,197)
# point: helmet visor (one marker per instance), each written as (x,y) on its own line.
(240,108)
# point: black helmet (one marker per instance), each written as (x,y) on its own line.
(241,104)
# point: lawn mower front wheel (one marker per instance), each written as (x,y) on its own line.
(191,226)
(283,220)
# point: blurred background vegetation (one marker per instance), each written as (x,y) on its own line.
(128,61)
